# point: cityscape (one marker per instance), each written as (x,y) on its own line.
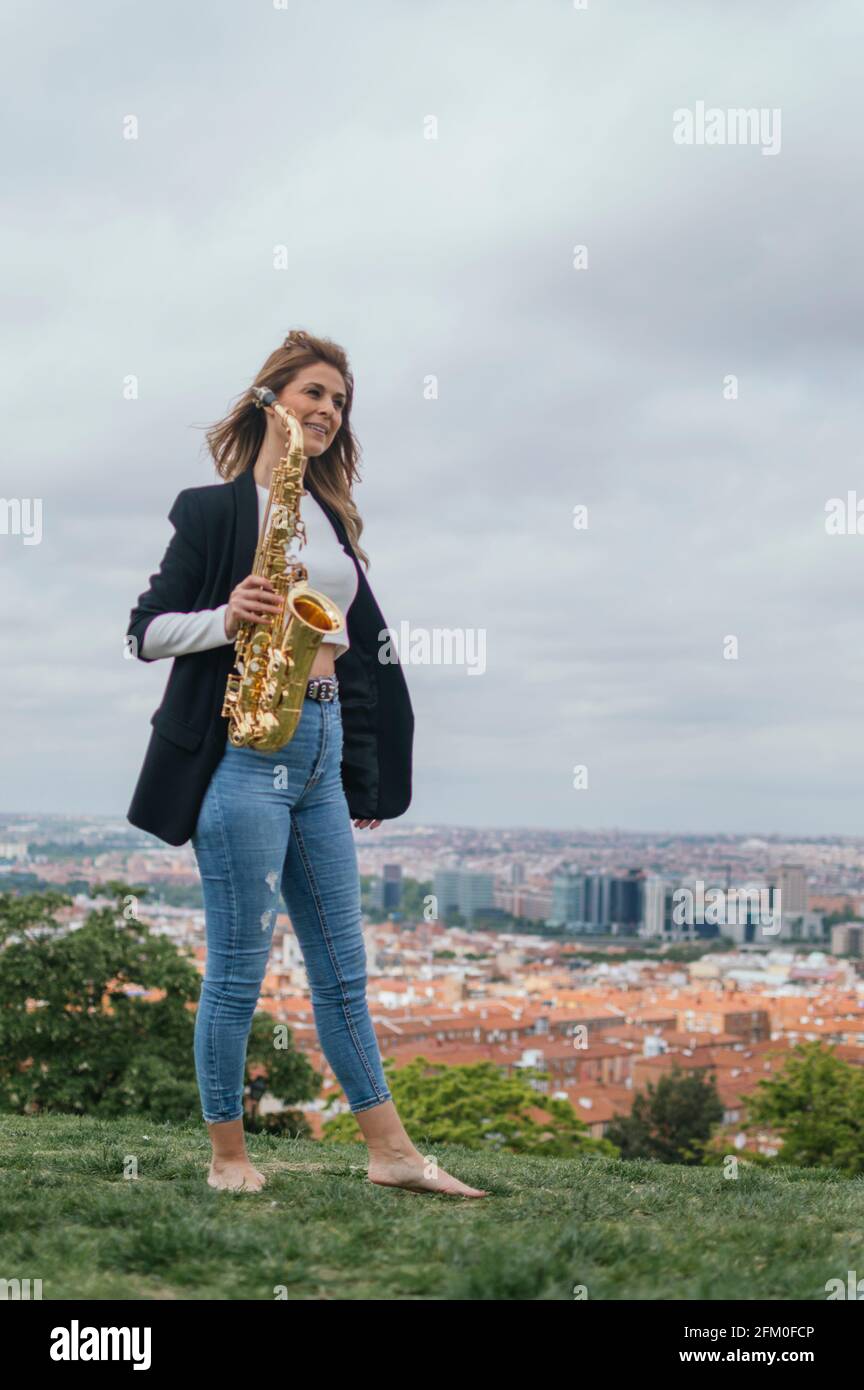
(592,962)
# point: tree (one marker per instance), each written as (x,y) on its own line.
(414,891)
(670,1122)
(78,1033)
(817,1104)
(480,1107)
(285,1074)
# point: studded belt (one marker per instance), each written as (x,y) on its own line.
(322,688)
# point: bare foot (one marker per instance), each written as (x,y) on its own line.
(235,1175)
(410,1172)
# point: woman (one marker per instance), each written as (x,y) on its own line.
(263,822)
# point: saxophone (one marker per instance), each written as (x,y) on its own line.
(265,692)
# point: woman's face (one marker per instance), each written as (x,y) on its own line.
(317,398)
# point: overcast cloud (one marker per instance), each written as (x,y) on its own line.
(453,258)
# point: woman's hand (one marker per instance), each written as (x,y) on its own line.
(253,600)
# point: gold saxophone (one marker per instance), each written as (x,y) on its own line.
(265,692)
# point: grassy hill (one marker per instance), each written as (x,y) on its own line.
(625,1230)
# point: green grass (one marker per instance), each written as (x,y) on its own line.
(634,1230)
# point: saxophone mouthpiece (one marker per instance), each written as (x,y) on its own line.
(263,396)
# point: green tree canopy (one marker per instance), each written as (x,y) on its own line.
(478,1106)
(670,1122)
(77,1030)
(817,1104)
(287,1073)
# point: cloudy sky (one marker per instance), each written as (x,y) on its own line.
(692,378)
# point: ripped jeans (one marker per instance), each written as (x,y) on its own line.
(272,822)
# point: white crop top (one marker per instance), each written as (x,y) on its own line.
(331,572)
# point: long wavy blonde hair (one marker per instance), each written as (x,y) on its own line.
(236,440)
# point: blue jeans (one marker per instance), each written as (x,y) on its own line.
(272,821)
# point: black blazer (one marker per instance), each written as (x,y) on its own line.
(212,550)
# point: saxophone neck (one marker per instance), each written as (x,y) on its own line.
(294,430)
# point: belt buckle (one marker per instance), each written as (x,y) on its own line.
(322,687)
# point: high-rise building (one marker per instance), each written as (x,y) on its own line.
(475,891)
(625,901)
(463,890)
(596,903)
(568,897)
(654,906)
(392,887)
(386,891)
(792,882)
(847,939)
